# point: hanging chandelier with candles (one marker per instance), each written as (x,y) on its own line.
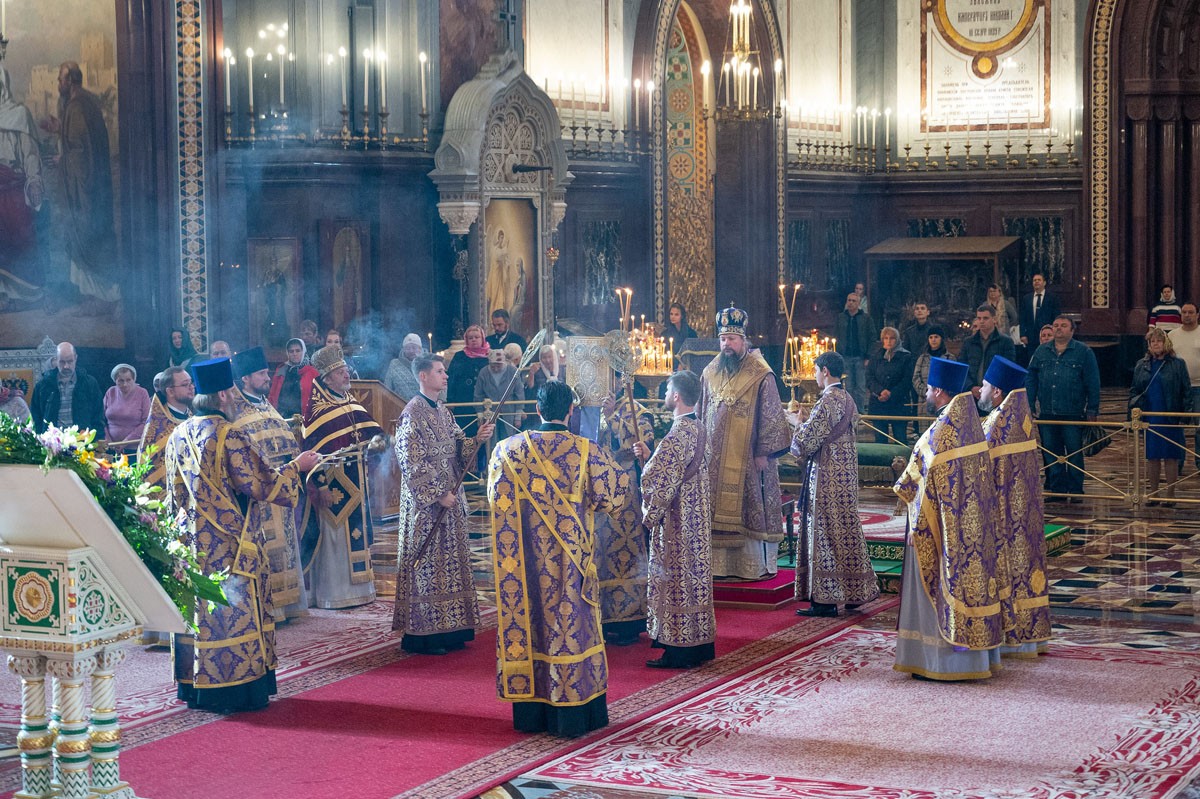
(741,90)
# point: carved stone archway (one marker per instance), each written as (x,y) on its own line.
(502,141)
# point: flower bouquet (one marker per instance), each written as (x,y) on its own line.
(132,504)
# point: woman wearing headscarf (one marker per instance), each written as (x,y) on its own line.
(935,347)
(180,350)
(462,372)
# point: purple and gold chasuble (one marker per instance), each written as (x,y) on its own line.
(743,419)
(277,444)
(219,481)
(544,487)
(951,603)
(436,596)
(159,426)
(1016,466)
(621,539)
(336,548)
(676,506)
(832,564)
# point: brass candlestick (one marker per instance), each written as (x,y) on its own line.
(345,132)
(383,131)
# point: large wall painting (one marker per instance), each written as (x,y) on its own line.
(510,260)
(60,272)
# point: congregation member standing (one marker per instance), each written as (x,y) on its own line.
(502,332)
(621,538)
(1166,314)
(915,334)
(291,385)
(676,509)
(126,408)
(1161,383)
(855,335)
(1020,531)
(218,479)
(493,380)
(336,548)
(1037,308)
(889,378)
(982,346)
(746,432)
(435,595)
(951,622)
(544,486)
(1185,340)
(832,564)
(1064,386)
(400,379)
(67,395)
(276,442)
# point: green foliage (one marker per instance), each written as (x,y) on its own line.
(132,504)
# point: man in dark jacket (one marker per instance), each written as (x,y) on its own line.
(1037,309)
(67,396)
(1064,385)
(979,349)
(855,334)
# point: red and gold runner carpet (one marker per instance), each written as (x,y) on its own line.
(380,723)
(1083,721)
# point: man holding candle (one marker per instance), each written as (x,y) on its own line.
(743,419)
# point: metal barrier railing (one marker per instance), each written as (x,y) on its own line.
(1119,473)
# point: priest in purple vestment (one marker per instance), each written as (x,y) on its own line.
(1021,535)
(747,431)
(951,597)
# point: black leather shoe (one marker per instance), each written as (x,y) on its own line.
(825,611)
(661,663)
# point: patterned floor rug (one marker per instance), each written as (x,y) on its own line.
(795,728)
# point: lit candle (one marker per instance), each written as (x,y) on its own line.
(874,120)
(430,334)
(636,98)
(381,58)
(282,63)
(424,59)
(228,74)
(250,72)
(705,69)
(887,128)
(573,115)
(342,55)
(1008,125)
(649,104)
(367,79)
(1071,124)
(778,81)
(725,69)
(754,88)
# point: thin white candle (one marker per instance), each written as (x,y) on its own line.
(342,55)
(381,58)
(754,89)
(228,76)
(887,128)
(636,97)
(725,69)
(649,104)
(778,82)
(424,61)
(250,72)
(705,69)
(282,64)
(367,79)
(1071,124)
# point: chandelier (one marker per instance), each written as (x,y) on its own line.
(741,90)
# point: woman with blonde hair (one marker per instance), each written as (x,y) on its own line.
(1161,383)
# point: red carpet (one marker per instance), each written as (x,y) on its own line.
(802,726)
(399,726)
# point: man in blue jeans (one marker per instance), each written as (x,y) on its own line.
(1064,382)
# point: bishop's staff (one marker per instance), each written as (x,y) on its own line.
(530,351)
